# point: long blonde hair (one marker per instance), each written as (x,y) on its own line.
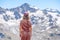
(26,17)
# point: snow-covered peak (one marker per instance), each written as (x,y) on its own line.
(43,21)
(47,17)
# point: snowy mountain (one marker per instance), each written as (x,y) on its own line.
(44,21)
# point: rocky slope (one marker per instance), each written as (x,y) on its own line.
(45,23)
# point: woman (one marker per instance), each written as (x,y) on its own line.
(25,28)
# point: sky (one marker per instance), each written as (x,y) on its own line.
(41,4)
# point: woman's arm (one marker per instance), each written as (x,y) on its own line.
(30,29)
(21,30)
(21,26)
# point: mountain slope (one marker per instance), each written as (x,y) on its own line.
(45,22)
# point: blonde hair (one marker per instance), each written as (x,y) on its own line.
(26,17)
